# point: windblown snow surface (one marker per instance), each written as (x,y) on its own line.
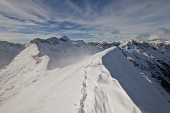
(93,81)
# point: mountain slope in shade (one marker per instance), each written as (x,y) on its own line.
(89,81)
(143,94)
(8,51)
(153,61)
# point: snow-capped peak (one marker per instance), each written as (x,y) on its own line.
(65,38)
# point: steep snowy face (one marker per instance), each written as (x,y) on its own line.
(153,61)
(63,51)
(143,94)
(8,51)
(25,69)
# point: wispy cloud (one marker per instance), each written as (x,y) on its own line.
(166,31)
(115,32)
(142,35)
(81,19)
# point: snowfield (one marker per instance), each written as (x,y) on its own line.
(64,76)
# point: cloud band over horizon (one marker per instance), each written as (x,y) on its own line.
(23,20)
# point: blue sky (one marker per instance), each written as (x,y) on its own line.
(91,20)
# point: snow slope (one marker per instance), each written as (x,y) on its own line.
(8,51)
(36,60)
(153,61)
(143,94)
(88,81)
(82,87)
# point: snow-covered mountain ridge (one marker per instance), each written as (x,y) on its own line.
(63,51)
(61,75)
(37,58)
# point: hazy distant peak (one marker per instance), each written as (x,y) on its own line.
(65,38)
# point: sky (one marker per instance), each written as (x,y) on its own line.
(90,20)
